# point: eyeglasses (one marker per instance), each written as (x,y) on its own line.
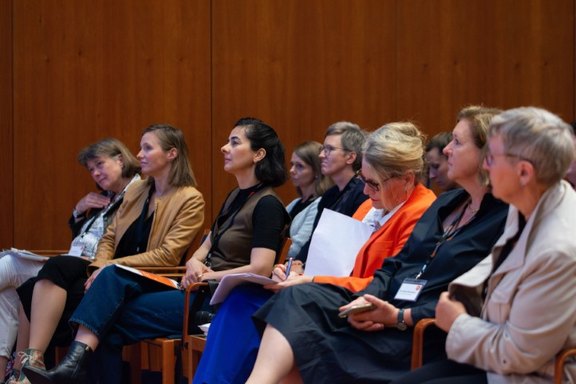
(373,184)
(328,148)
(489,158)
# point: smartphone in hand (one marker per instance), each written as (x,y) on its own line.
(356,309)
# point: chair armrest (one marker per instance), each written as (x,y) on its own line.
(418,341)
(559,364)
(176,270)
(191,288)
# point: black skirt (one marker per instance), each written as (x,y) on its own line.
(67,272)
(326,348)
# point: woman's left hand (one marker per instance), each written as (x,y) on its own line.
(196,271)
(383,315)
(447,310)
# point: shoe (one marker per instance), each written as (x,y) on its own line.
(72,370)
(29,358)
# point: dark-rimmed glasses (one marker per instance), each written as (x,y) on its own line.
(373,184)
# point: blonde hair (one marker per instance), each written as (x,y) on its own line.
(394,149)
(478,118)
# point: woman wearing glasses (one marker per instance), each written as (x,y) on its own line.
(527,284)
(391,167)
(307,339)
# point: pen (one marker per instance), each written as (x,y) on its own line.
(288,267)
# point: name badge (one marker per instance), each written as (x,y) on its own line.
(76,248)
(410,289)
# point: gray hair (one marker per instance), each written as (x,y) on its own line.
(352,138)
(394,149)
(538,136)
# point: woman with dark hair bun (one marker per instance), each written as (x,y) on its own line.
(122,308)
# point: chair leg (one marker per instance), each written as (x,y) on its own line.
(169,350)
(131,354)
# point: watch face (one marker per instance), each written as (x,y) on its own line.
(402,326)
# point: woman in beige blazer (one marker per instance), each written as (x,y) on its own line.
(508,317)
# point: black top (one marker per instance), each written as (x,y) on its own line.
(454,257)
(327,349)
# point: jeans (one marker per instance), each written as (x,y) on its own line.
(122,308)
(14,270)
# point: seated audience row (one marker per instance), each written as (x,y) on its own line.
(154,226)
(509,316)
(498,311)
(122,308)
(113,168)
(306,339)
(391,166)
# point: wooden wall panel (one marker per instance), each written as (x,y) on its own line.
(80,71)
(452,53)
(87,70)
(301,65)
(6,127)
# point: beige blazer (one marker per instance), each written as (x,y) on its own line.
(530,309)
(178,217)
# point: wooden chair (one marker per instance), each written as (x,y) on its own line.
(424,324)
(169,348)
(561,358)
(193,345)
(284,252)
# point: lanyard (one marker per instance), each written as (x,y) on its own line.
(448,234)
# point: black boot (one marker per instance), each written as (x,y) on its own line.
(73,369)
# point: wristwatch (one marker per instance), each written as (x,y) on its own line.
(401,324)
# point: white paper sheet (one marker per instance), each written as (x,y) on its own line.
(335,244)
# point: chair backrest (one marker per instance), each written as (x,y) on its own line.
(284,252)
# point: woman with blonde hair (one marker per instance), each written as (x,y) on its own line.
(156,223)
(391,168)
(508,317)
(312,332)
(122,308)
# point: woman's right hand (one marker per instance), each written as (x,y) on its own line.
(195,270)
(92,200)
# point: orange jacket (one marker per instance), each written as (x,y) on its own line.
(385,242)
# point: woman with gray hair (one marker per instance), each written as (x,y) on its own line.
(113,168)
(323,333)
(527,283)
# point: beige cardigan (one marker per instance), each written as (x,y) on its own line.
(178,217)
(530,310)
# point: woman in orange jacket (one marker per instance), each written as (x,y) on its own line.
(391,167)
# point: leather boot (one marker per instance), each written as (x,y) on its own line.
(72,370)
